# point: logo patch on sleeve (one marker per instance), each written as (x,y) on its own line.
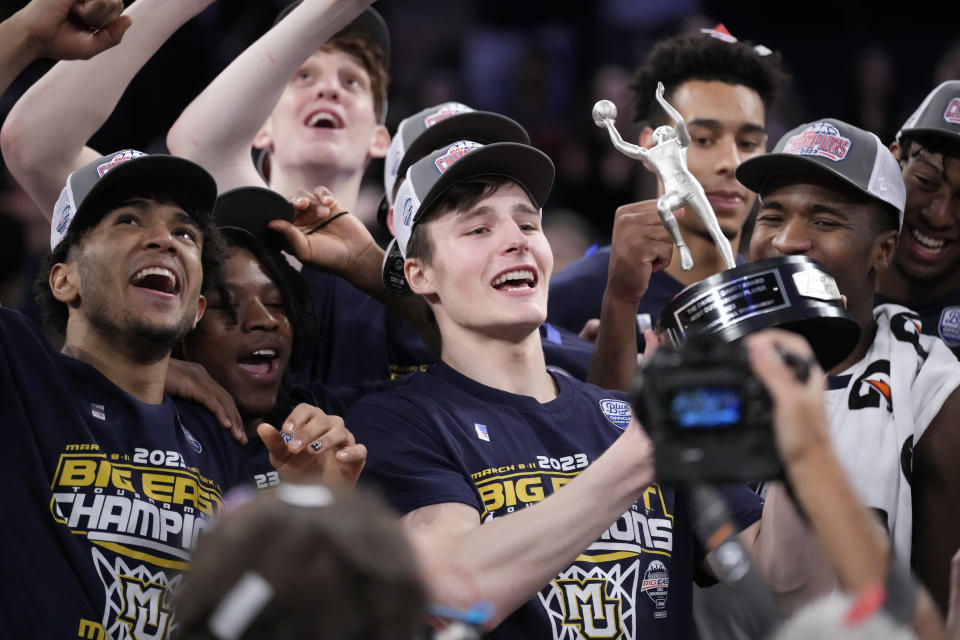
(482,432)
(949,328)
(617,411)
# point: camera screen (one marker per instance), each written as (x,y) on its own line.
(705,407)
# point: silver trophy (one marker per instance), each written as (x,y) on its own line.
(791,292)
(668,159)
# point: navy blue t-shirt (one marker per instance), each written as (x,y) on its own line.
(940,317)
(361,340)
(105,494)
(576,292)
(441,437)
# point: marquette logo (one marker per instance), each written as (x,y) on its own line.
(143,512)
(587,607)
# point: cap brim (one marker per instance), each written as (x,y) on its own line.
(485,127)
(526,165)
(756,172)
(251,209)
(160,176)
(393,276)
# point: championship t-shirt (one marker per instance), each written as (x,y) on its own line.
(105,495)
(441,437)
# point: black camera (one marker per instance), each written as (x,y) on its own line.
(708,416)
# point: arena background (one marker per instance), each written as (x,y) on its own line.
(543,64)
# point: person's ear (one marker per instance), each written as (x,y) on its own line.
(64,283)
(379,142)
(896,150)
(264,137)
(201,307)
(419,276)
(885,249)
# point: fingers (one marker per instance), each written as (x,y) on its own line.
(275,444)
(294,238)
(590,330)
(110,35)
(97,14)
(309,428)
(769,351)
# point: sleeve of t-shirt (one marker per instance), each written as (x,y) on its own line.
(409,462)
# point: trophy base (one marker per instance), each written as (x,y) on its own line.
(791,292)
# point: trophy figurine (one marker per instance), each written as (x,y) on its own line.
(668,159)
(791,292)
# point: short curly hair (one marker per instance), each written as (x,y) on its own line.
(55,312)
(683,58)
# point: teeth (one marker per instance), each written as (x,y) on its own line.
(267,353)
(155,271)
(317,118)
(927,241)
(520,274)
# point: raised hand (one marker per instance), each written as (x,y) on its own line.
(312,445)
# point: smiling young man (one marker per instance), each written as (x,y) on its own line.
(311,93)
(113,480)
(834,193)
(925,275)
(722,90)
(475,449)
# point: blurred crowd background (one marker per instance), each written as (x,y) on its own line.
(544,64)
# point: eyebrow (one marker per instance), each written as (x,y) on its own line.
(814,208)
(142,204)
(713,123)
(520,207)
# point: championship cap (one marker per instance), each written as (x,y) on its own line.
(428,178)
(250,210)
(836,148)
(111,179)
(939,113)
(442,125)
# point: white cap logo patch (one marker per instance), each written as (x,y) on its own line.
(819,139)
(454,153)
(445,111)
(118,159)
(952,112)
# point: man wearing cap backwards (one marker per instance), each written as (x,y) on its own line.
(112,480)
(925,275)
(488,435)
(833,192)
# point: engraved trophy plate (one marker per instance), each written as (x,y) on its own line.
(791,292)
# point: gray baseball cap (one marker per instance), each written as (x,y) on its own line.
(834,147)
(441,125)
(938,114)
(113,178)
(463,160)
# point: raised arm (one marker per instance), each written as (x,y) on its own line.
(218,128)
(509,559)
(682,134)
(61,29)
(45,134)
(640,246)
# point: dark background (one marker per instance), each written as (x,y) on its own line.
(544,64)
